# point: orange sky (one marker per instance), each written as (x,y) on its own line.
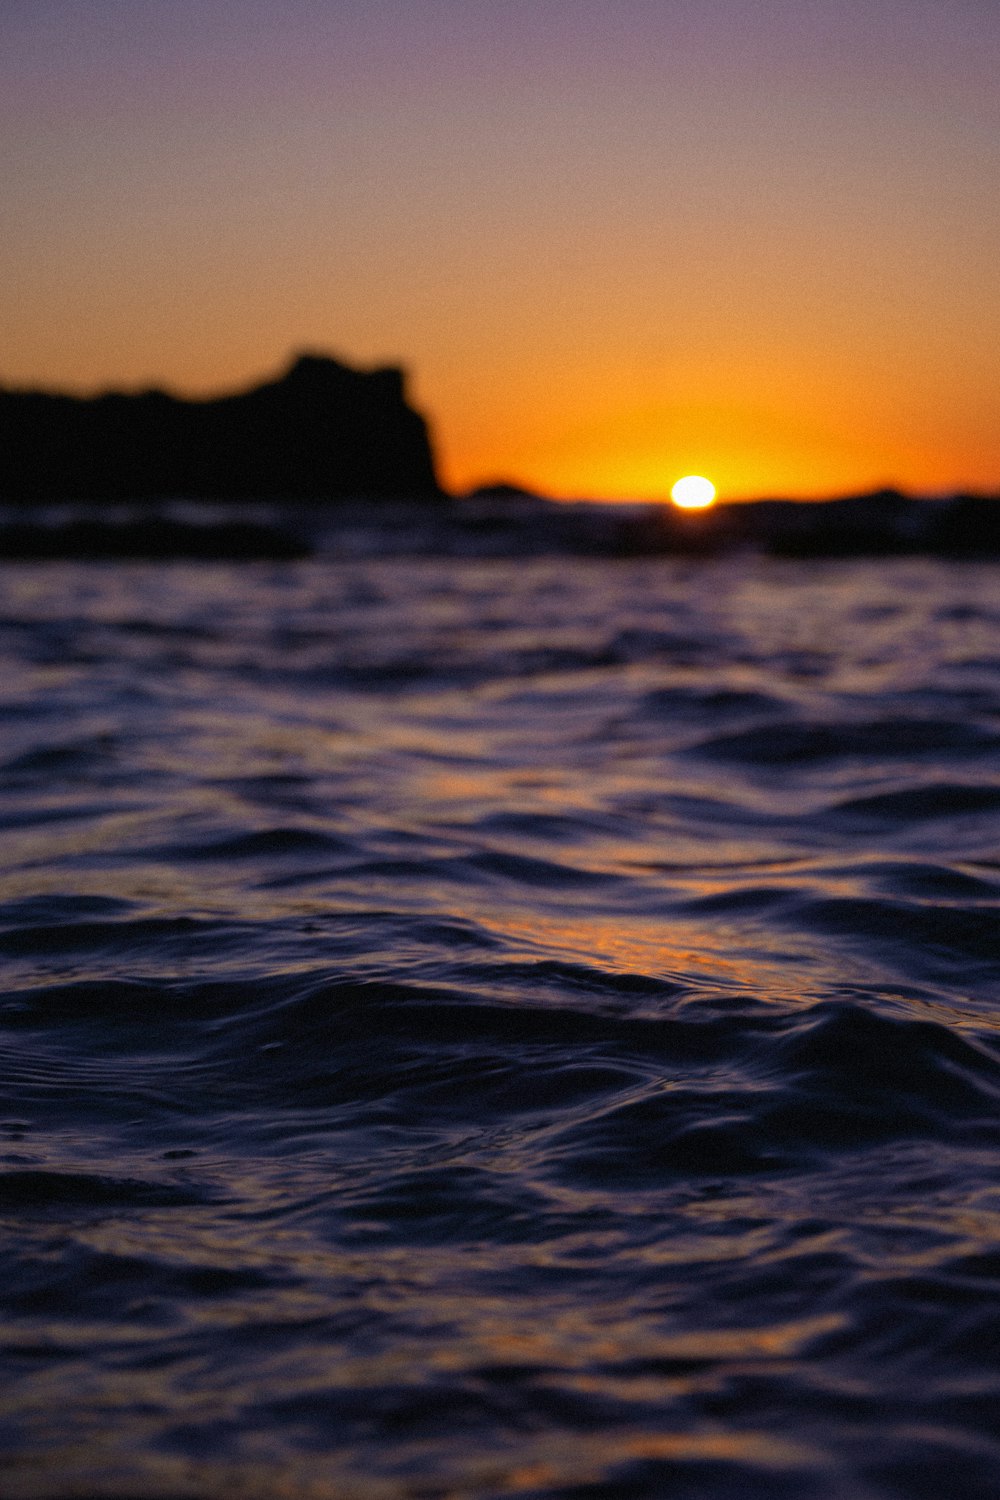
(612,244)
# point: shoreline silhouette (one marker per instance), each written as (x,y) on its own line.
(326,449)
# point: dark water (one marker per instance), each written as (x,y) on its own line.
(488,1029)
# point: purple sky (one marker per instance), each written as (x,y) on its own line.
(613,242)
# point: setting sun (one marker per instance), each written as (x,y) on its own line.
(693,492)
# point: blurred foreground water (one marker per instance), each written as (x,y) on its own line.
(476,1027)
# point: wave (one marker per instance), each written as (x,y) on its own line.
(489,1029)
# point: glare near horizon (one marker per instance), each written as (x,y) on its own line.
(610,244)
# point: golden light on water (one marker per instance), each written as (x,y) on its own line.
(693,492)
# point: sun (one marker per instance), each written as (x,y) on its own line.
(693,492)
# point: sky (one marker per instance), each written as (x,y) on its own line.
(612,243)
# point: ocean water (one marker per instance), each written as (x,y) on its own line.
(486,1028)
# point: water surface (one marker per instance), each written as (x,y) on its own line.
(480,1028)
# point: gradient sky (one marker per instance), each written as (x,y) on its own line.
(612,242)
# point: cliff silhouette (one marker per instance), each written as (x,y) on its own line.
(321,431)
(344,462)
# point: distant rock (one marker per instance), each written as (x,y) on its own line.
(503,491)
(152,539)
(322,431)
(885,523)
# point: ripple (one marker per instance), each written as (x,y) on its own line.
(26,1190)
(487,1028)
(941,800)
(782,743)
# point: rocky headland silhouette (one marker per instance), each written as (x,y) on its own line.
(320,432)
